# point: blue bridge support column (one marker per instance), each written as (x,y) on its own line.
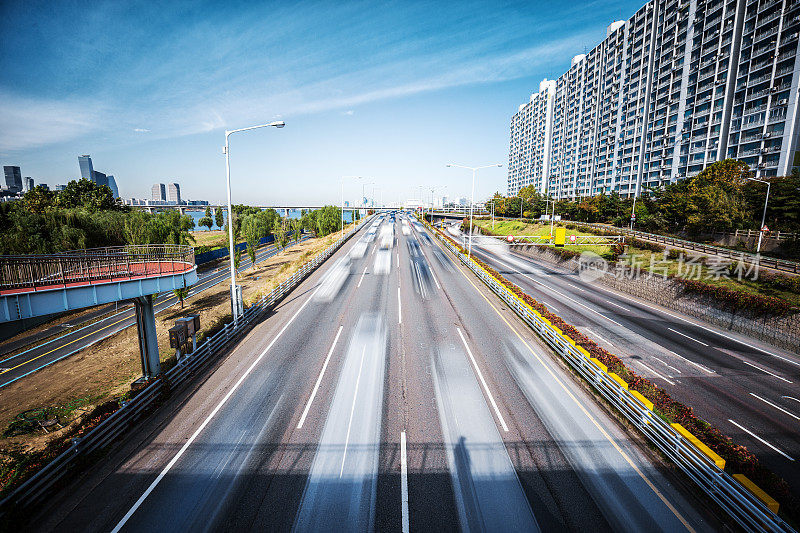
(148,342)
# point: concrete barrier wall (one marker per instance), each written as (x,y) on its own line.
(783,332)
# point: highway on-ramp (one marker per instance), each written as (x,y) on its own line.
(388,391)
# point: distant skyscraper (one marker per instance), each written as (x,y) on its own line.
(158,192)
(112,184)
(99,178)
(174,193)
(59,187)
(27,184)
(87,170)
(13,181)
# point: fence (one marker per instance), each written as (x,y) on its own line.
(97,264)
(769,262)
(746,509)
(37,486)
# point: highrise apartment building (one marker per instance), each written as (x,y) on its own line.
(679,85)
(158,192)
(173,193)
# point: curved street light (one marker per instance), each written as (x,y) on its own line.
(236,299)
(472,201)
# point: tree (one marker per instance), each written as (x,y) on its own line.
(237,258)
(297,228)
(181,294)
(219,217)
(38,200)
(281,233)
(86,194)
(252,229)
(206,221)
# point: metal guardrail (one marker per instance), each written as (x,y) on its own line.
(77,267)
(770,262)
(738,502)
(100,436)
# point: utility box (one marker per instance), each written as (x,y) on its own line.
(178,335)
(192,324)
(561,236)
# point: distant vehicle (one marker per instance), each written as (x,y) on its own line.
(386,236)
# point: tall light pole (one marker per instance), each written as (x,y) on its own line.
(764,216)
(433,191)
(472,201)
(341,181)
(235,297)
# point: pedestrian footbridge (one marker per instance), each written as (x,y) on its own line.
(36,285)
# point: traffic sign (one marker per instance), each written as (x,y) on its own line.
(765,229)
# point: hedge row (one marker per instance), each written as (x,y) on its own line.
(738,459)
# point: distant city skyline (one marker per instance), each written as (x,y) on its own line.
(389,92)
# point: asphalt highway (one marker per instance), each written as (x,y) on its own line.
(749,390)
(388,391)
(84,333)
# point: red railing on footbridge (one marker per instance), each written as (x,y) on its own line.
(28,273)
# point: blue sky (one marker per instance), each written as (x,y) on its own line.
(387,90)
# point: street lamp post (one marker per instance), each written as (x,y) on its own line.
(341,181)
(472,201)
(763,216)
(433,191)
(235,298)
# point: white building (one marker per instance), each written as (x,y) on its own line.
(679,85)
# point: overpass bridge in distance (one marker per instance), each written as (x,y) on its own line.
(279,208)
(36,285)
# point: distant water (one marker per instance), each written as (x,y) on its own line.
(198,214)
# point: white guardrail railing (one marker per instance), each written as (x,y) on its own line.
(744,507)
(35,488)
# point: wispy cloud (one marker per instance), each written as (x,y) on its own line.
(30,123)
(316,57)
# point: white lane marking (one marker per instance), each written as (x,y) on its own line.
(688,321)
(557,292)
(211,415)
(398,257)
(599,337)
(319,380)
(434,279)
(404,481)
(687,336)
(759,439)
(575,286)
(698,365)
(617,305)
(662,311)
(656,373)
(767,372)
(352,410)
(778,407)
(790,398)
(362,277)
(399,308)
(667,364)
(483,382)
(554,308)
